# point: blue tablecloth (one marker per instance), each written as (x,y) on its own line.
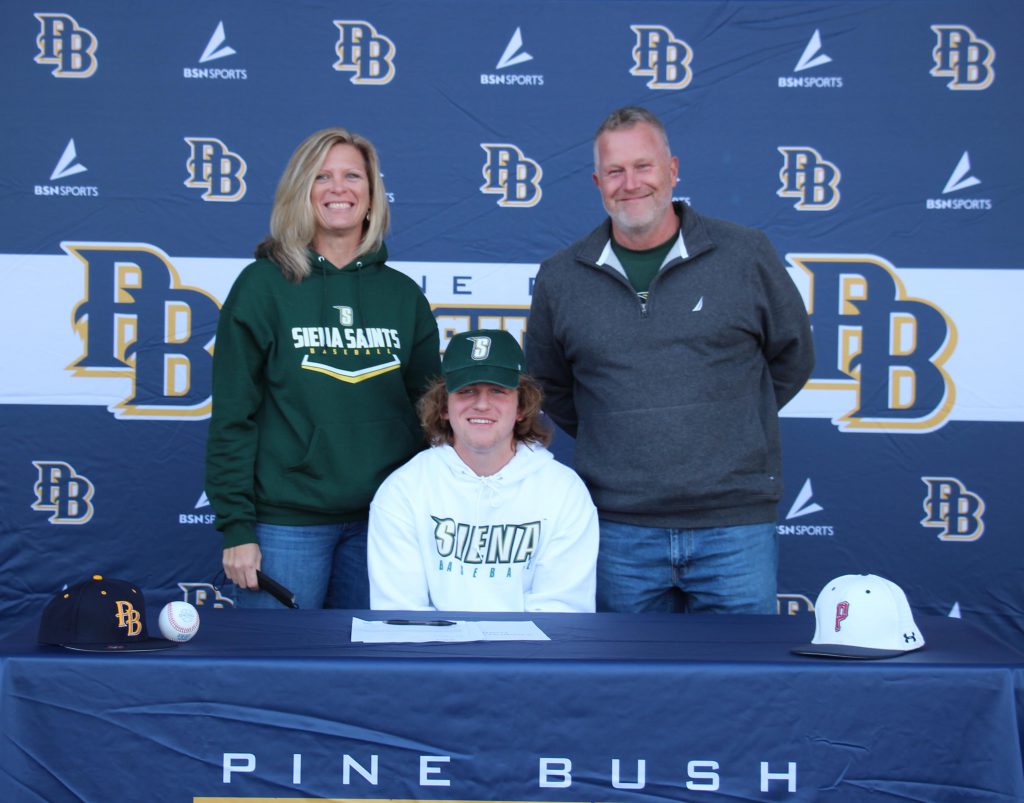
(613,707)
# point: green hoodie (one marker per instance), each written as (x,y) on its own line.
(314,392)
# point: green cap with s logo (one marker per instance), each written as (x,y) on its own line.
(482,355)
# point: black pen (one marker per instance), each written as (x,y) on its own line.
(428,622)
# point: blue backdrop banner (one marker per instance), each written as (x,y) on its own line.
(872,141)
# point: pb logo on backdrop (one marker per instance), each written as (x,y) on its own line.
(953,509)
(62,492)
(364,52)
(810,178)
(873,339)
(65,44)
(660,57)
(214,168)
(138,321)
(963,57)
(508,172)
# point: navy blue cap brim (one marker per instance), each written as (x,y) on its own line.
(846,651)
(148,645)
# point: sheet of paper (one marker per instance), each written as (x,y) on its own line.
(374,632)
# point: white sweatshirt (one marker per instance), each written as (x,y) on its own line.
(443,538)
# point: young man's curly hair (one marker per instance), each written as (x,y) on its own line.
(531,428)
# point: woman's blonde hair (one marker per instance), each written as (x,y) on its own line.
(530,428)
(293,220)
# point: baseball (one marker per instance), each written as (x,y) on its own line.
(179,621)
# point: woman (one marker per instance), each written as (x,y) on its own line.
(321,353)
(486,520)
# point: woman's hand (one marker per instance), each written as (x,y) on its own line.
(241,563)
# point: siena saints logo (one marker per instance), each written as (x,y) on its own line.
(810,178)
(62,492)
(954,510)
(65,44)
(812,57)
(214,168)
(139,322)
(660,57)
(874,339)
(364,52)
(508,172)
(481,348)
(963,57)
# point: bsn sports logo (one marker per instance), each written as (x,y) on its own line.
(198,518)
(954,510)
(512,55)
(960,179)
(62,492)
(67,45)
(804,505)
(660,57)
(137,321)
(813,56)
(364,52)
(810,178)
(216,48)
(212,167)
(66,167)
(963,57)
(872,338)
(508,172)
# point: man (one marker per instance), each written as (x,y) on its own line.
(666,343)
(486,520)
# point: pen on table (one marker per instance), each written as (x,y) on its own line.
(428,622)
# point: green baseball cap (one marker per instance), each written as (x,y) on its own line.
(483,355)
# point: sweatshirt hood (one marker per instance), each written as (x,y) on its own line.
(370,261)
(527,460)
(324,271)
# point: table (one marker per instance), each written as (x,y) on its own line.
(614,707)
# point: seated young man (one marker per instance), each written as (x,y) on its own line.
(486,519)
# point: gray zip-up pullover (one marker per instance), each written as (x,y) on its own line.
(673,401)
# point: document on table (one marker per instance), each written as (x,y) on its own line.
(373,632)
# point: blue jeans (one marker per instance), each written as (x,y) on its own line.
(324,565)
(713,570)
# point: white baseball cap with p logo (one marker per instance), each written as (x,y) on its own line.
(862,616)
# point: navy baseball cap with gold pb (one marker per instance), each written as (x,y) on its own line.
(100,614)
(483,355)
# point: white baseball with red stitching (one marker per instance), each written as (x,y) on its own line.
(179,621)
